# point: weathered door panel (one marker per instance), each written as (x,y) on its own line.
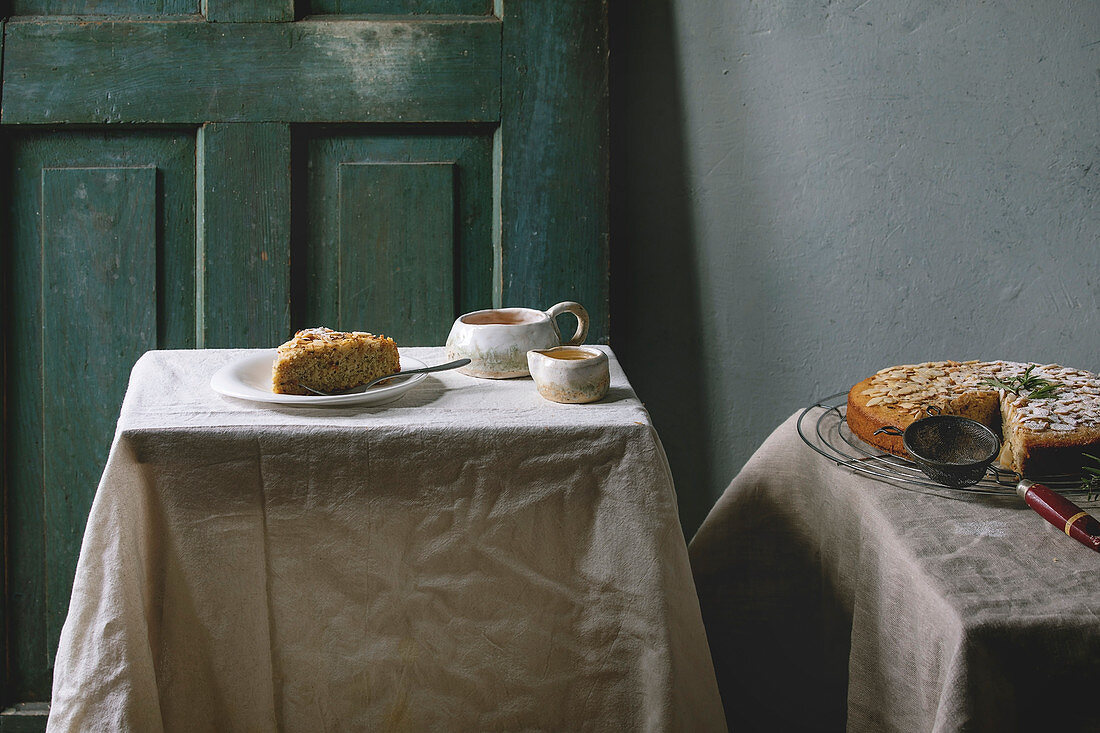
(243,247)
(97,225)
(426,190)
(104,7)
(401,7)
(554,169)
(99,263)
(193,71)
(396,248)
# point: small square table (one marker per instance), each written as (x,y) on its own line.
(837,601)
(469,557)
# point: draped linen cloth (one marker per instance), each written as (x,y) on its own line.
(836,601)
(470,557)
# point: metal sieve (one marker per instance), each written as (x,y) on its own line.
(951,450)
(956,451)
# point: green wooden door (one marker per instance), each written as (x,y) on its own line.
(186,174)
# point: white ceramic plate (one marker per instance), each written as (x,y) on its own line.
(249,378)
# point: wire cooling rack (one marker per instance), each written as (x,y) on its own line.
(823,427)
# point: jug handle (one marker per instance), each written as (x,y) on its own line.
(576,309)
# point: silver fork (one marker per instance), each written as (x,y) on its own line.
(423,370)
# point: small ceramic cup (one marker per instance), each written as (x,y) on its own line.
(570,374)
(497,340)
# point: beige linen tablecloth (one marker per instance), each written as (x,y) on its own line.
(471,557)
(834,601)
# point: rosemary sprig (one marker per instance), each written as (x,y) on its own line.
(1038,388)
(1090,476)
(1046,391)
(998,384)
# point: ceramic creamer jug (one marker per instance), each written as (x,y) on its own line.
(570,374)
(497,340)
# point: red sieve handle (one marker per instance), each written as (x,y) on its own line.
(1061,512)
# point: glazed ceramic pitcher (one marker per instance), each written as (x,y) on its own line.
(497,340)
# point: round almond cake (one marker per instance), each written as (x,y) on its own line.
(1048,415)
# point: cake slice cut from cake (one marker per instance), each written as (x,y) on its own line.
(331,361)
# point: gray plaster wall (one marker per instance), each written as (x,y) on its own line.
(805,192)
